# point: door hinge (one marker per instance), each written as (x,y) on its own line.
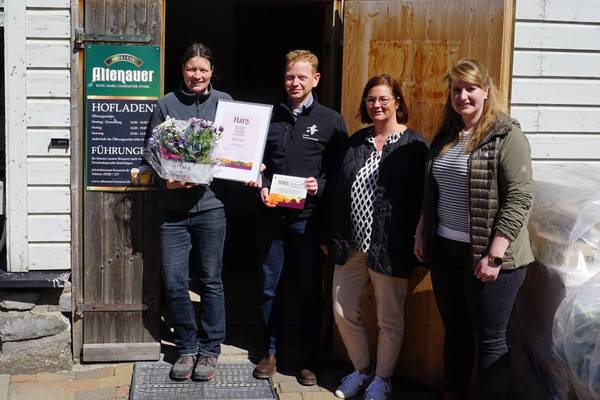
(81,37)
(100,307)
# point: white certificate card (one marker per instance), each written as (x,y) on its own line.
(287,191)
(242,144)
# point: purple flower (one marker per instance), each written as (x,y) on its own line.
(165,153)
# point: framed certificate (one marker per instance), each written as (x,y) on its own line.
(242,144)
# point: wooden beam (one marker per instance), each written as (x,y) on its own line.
(508,39)
(76,180)
(15,80)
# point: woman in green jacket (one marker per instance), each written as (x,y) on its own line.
(473,228)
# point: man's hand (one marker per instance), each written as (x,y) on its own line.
(264,196)
(312,187)
(258,183)
(175,184)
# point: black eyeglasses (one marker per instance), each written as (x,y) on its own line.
(383,100)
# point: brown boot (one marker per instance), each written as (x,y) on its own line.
(306,377)
(266,367)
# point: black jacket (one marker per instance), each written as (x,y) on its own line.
(397,204)
(303,147)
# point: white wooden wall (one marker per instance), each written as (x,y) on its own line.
(556,78)
(40,231)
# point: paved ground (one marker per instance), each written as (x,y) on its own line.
(111,382)
(98,382)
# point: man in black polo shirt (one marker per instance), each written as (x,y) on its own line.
(302,141)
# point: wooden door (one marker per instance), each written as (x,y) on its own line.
(119,297)
(417,42)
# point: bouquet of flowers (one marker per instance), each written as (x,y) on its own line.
(184,150)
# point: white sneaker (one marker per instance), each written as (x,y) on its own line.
(352,384)
(378,389)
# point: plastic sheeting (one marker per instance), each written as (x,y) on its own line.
(577,338)
(564,230)
(564,224)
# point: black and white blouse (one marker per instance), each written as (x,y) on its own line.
(362,196)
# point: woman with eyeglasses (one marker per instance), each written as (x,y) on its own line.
(374,204)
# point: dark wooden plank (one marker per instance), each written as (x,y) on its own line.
(115,212)
(136,17)
(107,352)
(139,266)
(94,16)
(93,261)
(151,278)
(133,269)
(155,17)
(129,280)
(115,16)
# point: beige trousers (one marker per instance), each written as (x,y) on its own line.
(349,282)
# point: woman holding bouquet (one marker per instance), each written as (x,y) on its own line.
(192,227)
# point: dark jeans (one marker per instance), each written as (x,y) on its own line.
(294,243)
(473,312)
(200,236)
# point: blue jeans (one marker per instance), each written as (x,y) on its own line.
(473,312)
(294,243)
(200,236)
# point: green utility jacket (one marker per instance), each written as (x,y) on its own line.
(500,194)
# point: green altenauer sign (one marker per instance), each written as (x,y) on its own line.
(122,84)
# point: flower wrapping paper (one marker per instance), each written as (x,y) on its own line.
(184,150)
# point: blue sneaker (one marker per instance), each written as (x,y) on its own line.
(352,384)
(378,389)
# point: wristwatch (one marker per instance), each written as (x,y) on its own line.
(496,261)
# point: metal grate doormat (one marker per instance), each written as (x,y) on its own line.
(233,381)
